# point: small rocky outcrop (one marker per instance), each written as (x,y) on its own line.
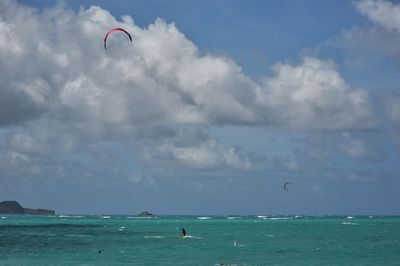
(13,207)
(145,214)
(38,211)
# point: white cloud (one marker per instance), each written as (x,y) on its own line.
(392,109)
(383,37)
(56,73)
(60,65)
(355,148)
(206,155)
(382,12)
(313,95)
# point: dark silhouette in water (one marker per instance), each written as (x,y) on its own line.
(183,232)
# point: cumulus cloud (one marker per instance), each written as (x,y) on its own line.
(313,95)
(59,66)
(383,36)
(382,12)
(60,87)
(198,153)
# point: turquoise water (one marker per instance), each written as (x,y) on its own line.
(260,240)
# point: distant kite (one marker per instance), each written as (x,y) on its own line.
(112,30)
(285,184)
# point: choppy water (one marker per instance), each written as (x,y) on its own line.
(212,240)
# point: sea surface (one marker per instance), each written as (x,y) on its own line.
(211,240)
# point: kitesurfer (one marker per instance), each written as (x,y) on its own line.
(183,232)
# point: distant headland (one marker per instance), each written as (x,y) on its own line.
(13,207)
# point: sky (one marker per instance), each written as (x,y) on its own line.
(210,109)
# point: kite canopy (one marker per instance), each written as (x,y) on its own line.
(112,30)
(285,184)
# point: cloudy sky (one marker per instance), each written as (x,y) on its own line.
(211,108)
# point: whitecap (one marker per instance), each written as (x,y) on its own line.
(348,223)
(277,218)
(262,216)
(236,244)
(158,237)
(106,217)
(204,218)
(3,217)
(70,216)
(350,217)
(233,218)
(195,237)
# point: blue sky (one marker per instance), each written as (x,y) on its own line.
(211,108)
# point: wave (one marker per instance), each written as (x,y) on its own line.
(204,218)
(106,217)
(78,235)
(348,223)
(233,218)
(139,217)
(195,237)
(70,216)
(38,234)
(49,225)
(158,237)
(277,218)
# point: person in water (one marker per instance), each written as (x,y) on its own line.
(183,232)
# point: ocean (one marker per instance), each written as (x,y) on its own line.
(210,240)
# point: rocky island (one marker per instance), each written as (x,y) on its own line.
(13,207)
(145,214)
